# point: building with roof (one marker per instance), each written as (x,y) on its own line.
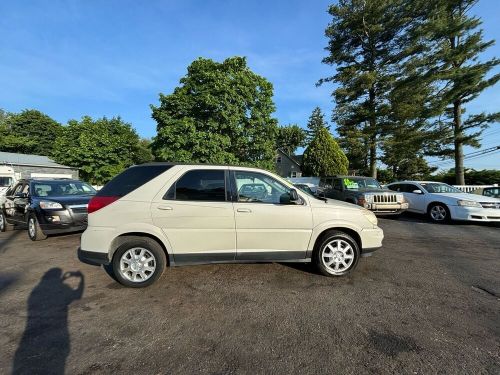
(35,166)
(288,165)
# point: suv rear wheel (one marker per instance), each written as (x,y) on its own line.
(139,262)
(4,226)
(337,254)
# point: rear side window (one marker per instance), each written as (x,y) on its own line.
(131,179)
(199,185)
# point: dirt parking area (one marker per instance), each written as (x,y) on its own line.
(428,302)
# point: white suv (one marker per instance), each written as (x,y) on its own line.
(160,214)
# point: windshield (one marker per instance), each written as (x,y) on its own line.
(6,181)
(61,188)
(438,187)
(356,183)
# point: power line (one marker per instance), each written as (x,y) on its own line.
(468,156)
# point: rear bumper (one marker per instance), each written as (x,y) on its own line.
(93,258)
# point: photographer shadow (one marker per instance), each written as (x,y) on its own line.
(45,344)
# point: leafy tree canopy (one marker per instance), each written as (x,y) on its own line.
(323,156)
(100,148)
(220,113)
(472,177)
(290,138)
(30,131)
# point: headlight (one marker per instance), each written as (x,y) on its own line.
(400,198)
(368,198)
(370,216)
(469,204)
(50,205)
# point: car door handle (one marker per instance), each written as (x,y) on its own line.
(165,208)
(244,210)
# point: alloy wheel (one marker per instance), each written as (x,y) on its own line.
(32,228)
(337,256)
(137,264)
(438,213)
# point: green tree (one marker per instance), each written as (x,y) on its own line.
(220,113)
(315,123)
(365,46)
(100,148)
(472,177)
(290,138)
(9,141)
(39,129)
(451,44)
(323,156)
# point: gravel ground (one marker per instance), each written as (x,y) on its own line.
(427,302)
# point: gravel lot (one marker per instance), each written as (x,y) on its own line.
(428,302)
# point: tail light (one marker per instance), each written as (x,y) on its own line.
(96,203)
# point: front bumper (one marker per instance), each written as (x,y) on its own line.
(386,208)
(93,258)
(371,240)
(61,221)
(475,214)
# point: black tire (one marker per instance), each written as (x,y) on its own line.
(4,226)
(438,213)
(35,233)
(342,255)
(150,245)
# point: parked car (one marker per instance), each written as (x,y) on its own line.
(442,202)
(160,214)
(305,188)
(491,191)
(46,206)
(363,191)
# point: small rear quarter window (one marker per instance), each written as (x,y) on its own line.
(131,179)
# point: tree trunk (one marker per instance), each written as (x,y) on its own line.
(373,156)
(373,134)
(458,138)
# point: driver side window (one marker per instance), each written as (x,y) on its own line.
(255,187)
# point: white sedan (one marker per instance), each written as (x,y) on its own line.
(443,202)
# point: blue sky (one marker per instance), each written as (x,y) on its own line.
(75,58)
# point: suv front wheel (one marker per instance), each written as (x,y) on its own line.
(139,262)
(35,233)
(337,254)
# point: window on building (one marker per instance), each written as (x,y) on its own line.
(278,159)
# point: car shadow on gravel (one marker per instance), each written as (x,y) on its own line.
(45,343)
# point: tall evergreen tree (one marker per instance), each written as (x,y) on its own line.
(323,156)
(451,43)
(315,123)
(365,47)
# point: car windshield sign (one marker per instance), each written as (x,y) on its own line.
(439,188)
(353,183)
(61,188)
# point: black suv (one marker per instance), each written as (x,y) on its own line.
(46,206)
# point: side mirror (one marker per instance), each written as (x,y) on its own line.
(417,191)
(290,198)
